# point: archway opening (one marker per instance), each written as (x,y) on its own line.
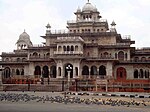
(121,73)
(85,70)
(93,70)
(6,72)
(102,71)
(136,75)
(45,73)
(37,71)
(53,71)
(121,55)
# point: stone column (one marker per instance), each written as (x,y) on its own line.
(57,73)
(49,73)
(109,69)
(74,72)
(89,73)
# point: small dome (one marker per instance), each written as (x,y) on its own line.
(89,7)
(24,37)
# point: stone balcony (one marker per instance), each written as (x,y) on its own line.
(68,52)
(36,58)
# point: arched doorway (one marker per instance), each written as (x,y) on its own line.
(68,68)
(102,71)
(93,70)
(17,72)
(6,72)
(121,73)
(37,71)
(85,70)
(45,72)
(136,74)
(53,71)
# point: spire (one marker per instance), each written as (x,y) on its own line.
(24,30)
(48,31)
(113,23)
(88,1)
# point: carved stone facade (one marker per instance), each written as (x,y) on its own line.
(89,49)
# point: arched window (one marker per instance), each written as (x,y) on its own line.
(7,72)
(93,70)
(24,59)
(136,59)
(136,74)
(106,55)
(59,48)
(45,72)
(17,72)
(85,70)
(37,71)
(72,48)
(82,30)
(102,71)
(141,75)
(18,60)
(121,55)
(64,47)
(47,55)
(7,59)
(53,71)
(143,59)
(68,48)
(35,54)
(76,48)
(146,73)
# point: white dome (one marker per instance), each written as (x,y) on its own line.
(89,7)
(24,37)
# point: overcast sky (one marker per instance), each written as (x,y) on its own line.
(131,16)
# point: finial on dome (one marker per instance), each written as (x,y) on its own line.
(88,1)
(48,26)
(24,30)
(113,23)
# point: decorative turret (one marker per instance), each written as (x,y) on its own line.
(113,27)
(23,41)
(48,29)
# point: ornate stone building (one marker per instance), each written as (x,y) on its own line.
(88,50)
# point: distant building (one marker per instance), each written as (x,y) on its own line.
(88,50)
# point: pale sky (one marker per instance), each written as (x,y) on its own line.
(131,16)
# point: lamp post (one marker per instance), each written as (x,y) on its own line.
(68,68)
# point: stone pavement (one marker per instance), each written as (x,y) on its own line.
(85,102)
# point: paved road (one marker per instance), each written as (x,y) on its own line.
(40,107)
